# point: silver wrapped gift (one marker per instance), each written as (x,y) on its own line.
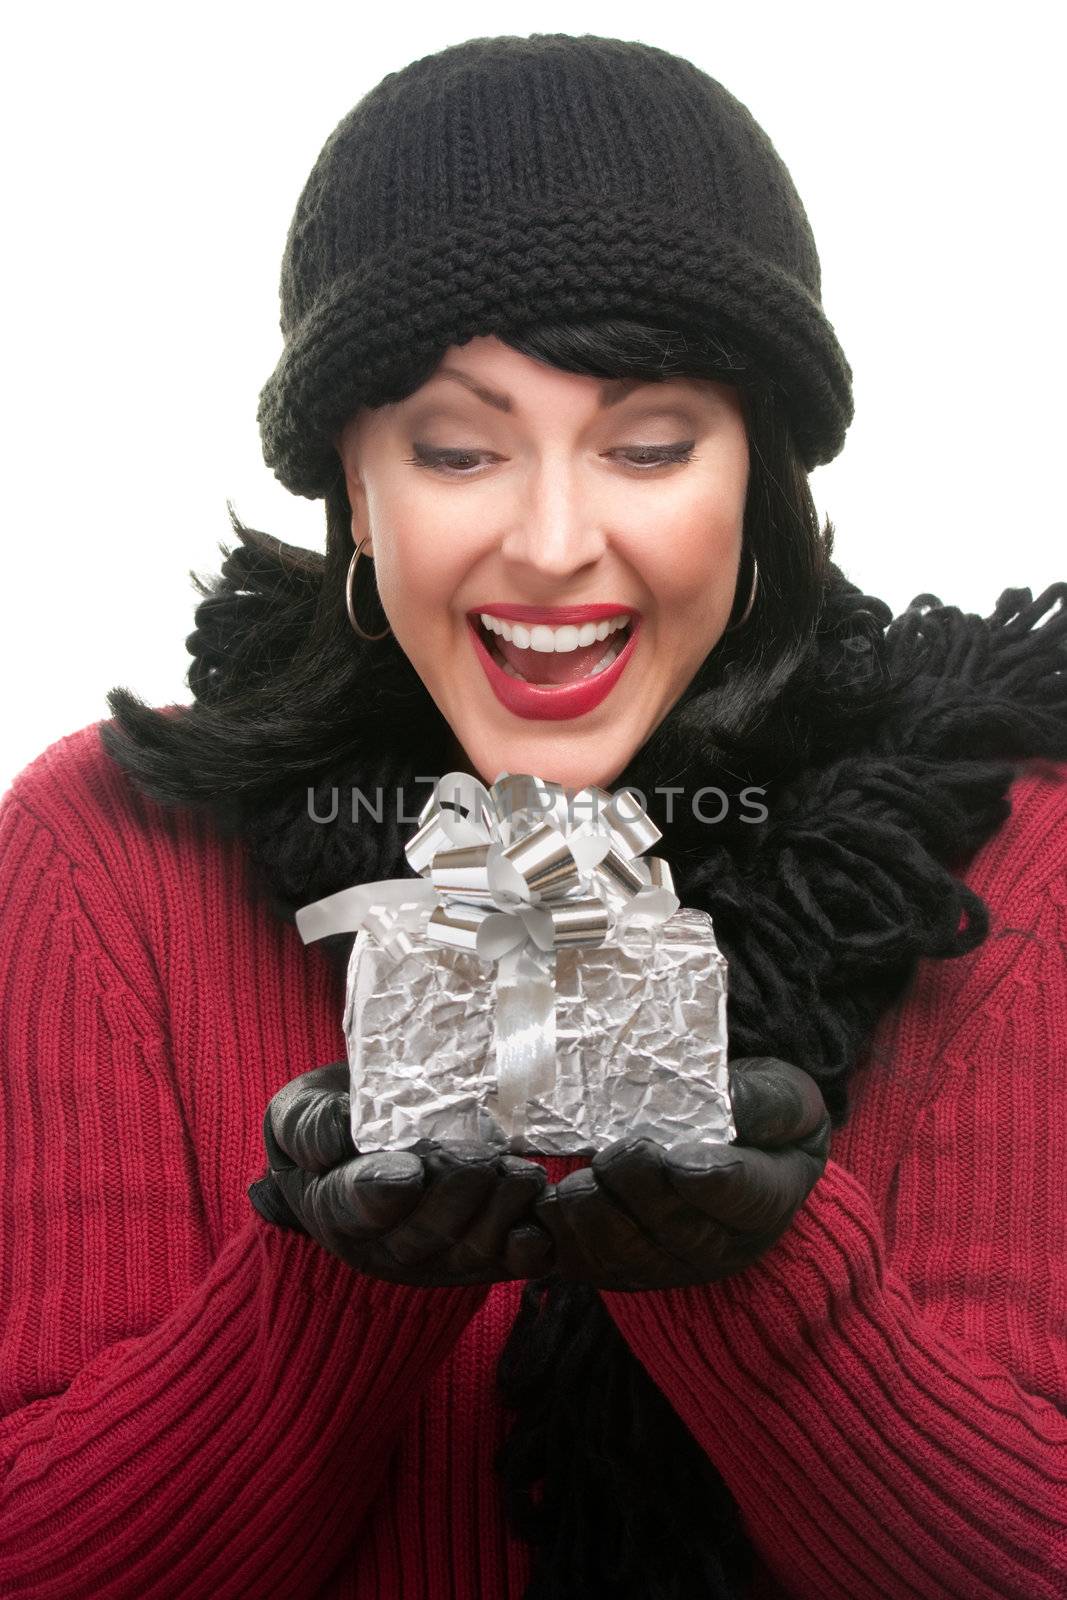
(537,988)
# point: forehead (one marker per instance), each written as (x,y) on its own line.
(611,391)
(494,385)
(607,392)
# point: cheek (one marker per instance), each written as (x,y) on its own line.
(417,575)
(422,536)
(699,552)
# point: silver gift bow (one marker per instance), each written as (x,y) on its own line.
(511,875)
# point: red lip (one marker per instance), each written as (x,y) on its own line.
(554,616)
(545,701)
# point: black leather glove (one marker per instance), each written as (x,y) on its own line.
(642,1218)
(440,1214)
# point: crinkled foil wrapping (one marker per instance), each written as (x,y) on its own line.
(640,1031)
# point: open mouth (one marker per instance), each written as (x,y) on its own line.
(554,673)
(555,667)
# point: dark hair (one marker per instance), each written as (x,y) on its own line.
(286,696)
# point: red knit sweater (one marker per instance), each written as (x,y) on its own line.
(196,1404)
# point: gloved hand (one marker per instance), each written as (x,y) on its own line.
(640,1218)
(440,1214)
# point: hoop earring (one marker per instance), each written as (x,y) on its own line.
(349,585)
(751,599)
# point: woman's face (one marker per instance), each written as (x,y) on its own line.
(551,503)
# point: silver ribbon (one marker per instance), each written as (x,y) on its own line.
(512,874)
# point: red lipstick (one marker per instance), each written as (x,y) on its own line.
(549,702)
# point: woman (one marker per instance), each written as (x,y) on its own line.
(808,1369)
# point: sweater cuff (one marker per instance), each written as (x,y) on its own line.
(830,1255)
(299,1264)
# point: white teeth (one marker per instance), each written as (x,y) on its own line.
(561,640)
(613,650)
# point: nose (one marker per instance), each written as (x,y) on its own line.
(556,533)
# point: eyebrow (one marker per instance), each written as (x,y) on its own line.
(612,391)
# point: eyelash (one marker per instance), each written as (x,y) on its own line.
(445,460)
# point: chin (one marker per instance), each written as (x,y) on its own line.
(572,769)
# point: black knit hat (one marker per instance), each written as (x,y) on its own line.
(511,181)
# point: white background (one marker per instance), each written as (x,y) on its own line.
(153,158)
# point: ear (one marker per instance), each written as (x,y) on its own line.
(361,530)
(359,521)
(343,443)
(357,499)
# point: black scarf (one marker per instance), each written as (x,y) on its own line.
(884,763)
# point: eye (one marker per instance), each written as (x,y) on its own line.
(641,458)
(450,462)
(657,455)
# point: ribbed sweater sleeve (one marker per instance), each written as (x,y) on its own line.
(888,1403)
(174,1420)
